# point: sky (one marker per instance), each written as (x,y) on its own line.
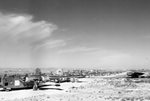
(104,34)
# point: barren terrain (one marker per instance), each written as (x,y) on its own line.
(89,89)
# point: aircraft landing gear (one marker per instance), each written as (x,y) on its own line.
(7,89)
(57,84)
(35,87)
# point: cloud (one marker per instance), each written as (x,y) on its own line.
(52,44)
(116,59)
(23,30)
(21,38)
(98,57)
(77,49)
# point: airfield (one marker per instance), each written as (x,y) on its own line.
(112,87)
(43,94)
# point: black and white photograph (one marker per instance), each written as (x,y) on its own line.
(74,50)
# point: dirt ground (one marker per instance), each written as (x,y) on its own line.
(89,89)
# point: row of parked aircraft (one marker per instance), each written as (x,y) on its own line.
(32,81)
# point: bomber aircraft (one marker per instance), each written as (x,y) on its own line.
(34,81)
(60,76)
